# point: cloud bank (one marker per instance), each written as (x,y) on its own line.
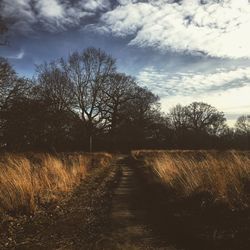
(216,28)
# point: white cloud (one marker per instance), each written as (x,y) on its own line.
(51,14)
(50,9)
(95,5)
(215,28)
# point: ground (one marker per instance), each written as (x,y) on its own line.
(118,208)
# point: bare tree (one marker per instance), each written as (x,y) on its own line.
(178,117)
(11,86)
(54,87)
(118,90)
(88,72)
(243,125)
(145,103)
(203,117)
(140,113)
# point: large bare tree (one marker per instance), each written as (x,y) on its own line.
(88,72)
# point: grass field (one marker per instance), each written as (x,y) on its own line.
(224,176)
(29,180)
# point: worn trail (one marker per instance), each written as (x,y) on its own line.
(128,215)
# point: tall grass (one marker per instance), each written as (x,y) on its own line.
(223,175)
(28,181)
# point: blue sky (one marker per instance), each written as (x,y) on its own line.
(184,51)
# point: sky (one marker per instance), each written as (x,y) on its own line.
(182,50)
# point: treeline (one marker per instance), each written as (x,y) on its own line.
(83,102)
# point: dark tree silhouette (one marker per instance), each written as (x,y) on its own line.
(88,72)
(84,96)
(178,117)
(118,91)
(196,125)
(242,125)
(203,117)
(54,87)
(138,118)
(242,132)
(11,86)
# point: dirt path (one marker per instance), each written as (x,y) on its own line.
(129,229)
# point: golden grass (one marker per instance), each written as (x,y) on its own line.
(224,175)
(28,181)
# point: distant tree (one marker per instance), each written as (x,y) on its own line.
(226,140)
(195,125)
(178,118)
(242,132)
(203,117)
(242,125)
(178,124)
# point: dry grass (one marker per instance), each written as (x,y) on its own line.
(225,176)
(26,181)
